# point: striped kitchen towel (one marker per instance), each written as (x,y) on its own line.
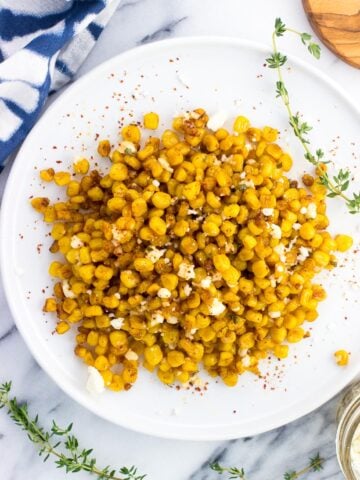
(42,44)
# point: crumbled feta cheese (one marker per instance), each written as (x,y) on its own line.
(156,183)
(303,255)
(76,242)
(117,295)
(280,250)
(311,210)
(95,383)
(247,184)
(155,254)
(164,293)
(242,352)
(303,210)
(217,308)
(67,289)
(267,211)
(192,211)
(118,235)
(296,226)
(274,314)
(127,147)
(89,292)
(172,320)
(217,120)
(279,268)
(272,282)
(246,361)
(156,319)
(117,323)
(206,282)
(131,355)
(187,289)
(242,175)
(186,271)
(165,164)
(275,231)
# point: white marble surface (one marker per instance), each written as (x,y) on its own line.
(264,457)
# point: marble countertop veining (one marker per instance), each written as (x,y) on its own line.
(264,457)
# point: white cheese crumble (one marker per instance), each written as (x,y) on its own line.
(246,361)
(279,268)
(156,319)
(296,226)
(76,242)
(274,314)
(267,211)
(192,211)
(216,308)
(186,271)
(280,250)
(275,231)
(303,210)
(164,293)
(217,120)
(247,184)
(131,355)
(311,210)
(303,255)
(117,323)
(242,175)
(242,352)
(117,295)
(127,147)
(155,254)
(165,164)
(187,289)
(95,383)
(172,320)
(156,183)
(67,289)
(206,282)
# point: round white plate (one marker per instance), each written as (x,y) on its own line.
(171,77)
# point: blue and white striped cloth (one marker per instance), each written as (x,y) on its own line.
(42,44)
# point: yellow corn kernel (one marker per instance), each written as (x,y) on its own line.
(241,124)
(210,228)
(341,357)
(295,335)
(281,351)
(118,339)
(260,269)
(221,262)
(249,242)
(93,311)
(307,231)
(151,120)
(251,199)
(118,171)
(101,363)
(49,305)
(62,327)
(321,258)
(158,225)
(104,148)
(139,207)
(231,276)
(129,278)
(180,228)
(169,280)
(210,142)
(131,133)
(62,178)
(269,134)
(143,265)
(175,358)
(343,242)
(81,166)
(153,355)
(47,175)
(161,200)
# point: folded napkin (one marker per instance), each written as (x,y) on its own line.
(42,44)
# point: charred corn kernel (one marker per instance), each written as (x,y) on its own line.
(158,225)
(151,120)
(161,200)
(62,327)
(341,357)
(62,178)
(49,305)
(81,166)
(241,124)
(104,148)
(343,242)
(153,355)
(281,351)
(143,265)
(307,231)
(221,262)
(118,171)
(47,175)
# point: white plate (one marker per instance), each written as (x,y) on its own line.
(169,77)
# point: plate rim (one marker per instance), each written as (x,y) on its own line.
(146,426)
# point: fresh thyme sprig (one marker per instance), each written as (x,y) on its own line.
(315,465)
(60,443)
(338,184)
